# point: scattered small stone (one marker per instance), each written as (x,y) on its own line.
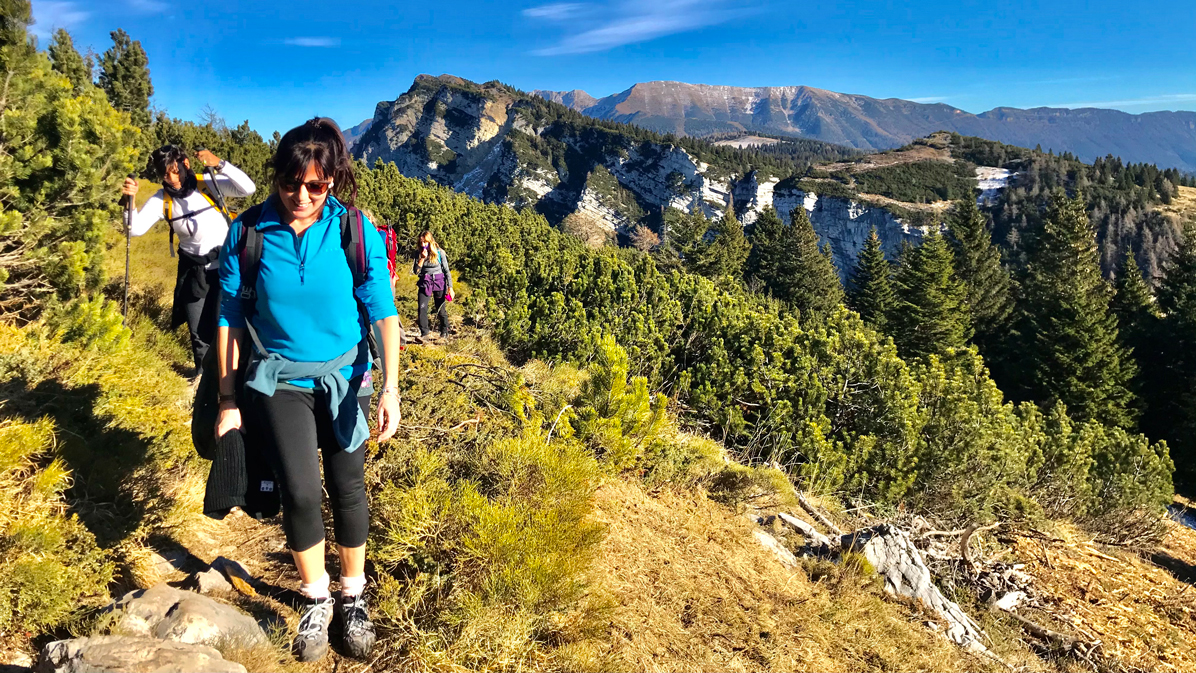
(131,654)
(210,581)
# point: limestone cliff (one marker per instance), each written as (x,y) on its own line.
(500,145)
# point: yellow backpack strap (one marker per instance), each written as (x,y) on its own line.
(167,213)
(202,189)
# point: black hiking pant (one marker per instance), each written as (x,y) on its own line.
(202,314)
(441,312)
(294,429)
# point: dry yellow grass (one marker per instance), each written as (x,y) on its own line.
(694,591)
(1143,615)
(1184,204)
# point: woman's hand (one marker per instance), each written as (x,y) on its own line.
(388,414)
(210,160)
(129,188)
(229,419)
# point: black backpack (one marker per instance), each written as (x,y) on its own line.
(206,407)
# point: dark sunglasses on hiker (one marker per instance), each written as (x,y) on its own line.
(314,187)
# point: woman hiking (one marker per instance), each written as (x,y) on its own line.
(201,228)
(435,283)
(309,392)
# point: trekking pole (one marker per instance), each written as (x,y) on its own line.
(128,204)
(216,189)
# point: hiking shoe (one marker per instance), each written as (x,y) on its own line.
(358,629)
(311,643)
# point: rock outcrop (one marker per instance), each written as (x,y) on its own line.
(160,630)
(500,145)
(131,654)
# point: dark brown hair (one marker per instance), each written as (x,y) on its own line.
(319,141)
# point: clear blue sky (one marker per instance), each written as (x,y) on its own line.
(277,62)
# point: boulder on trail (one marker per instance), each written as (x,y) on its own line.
(131,654)
(183,616)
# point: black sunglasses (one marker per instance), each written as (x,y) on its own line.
(314,187)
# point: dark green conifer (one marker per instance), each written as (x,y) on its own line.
(728,252)
(125,77)
(1072,352)
(67,60)
(806,275)
(931,313)
(1171,401)
(872,294)
(684,245)
(978,264)
(764,263)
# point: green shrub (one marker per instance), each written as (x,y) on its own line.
(50,566)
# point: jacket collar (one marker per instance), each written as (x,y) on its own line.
(333,209)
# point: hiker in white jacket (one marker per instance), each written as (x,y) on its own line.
(191,207)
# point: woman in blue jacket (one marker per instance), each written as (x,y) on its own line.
(309,392)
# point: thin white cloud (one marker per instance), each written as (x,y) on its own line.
(149,6)
(50,15)
(1131,102)
(590,27)
(929,99)
(555,12)
(313,41)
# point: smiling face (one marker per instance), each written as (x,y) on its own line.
(301,204)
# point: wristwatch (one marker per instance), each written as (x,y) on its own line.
(220,166)
(231,397)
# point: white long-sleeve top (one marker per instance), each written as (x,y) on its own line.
(200,227)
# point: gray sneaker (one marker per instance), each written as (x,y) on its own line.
(311,643)
(358,629)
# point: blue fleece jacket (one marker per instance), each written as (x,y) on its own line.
(305,309)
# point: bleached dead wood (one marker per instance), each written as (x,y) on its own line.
(896,559)
(818,516)
(807,530)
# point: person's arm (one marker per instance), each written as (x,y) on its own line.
(230,332)
(231,180)
(229,342)
(150,211)
(389,413)
(448,274)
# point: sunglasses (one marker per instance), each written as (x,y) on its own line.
(314,187)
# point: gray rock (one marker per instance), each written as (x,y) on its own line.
(211,581)
(184,616)
(131,654)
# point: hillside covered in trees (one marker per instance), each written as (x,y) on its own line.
(717,368)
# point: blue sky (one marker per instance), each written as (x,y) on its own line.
(277,62)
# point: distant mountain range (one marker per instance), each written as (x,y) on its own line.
(1167,139)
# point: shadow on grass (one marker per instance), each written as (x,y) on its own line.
(101,459)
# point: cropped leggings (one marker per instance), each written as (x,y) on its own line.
(294,427)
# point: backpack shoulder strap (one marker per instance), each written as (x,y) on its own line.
(167,213)
(353,243)
(250,257)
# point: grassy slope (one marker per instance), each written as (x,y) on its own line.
(675,582)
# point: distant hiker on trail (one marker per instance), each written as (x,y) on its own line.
(191,212)
(308,309)
(435,283)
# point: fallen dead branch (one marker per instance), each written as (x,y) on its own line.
(818,516)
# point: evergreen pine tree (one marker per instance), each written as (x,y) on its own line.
(1073,354)
(728,252)
(1171,403)
(872,294)
(931,313)
(15,17)
(764,262)
(68,61)
(684,245)
(125,77)
(1137,327)
(806,275)
(978,264)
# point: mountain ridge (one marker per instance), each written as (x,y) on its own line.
(1166,138)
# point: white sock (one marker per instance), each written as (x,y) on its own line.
(317,589)
(352,586)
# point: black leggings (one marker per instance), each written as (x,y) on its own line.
(201,317)
(441,312)
(291,425)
